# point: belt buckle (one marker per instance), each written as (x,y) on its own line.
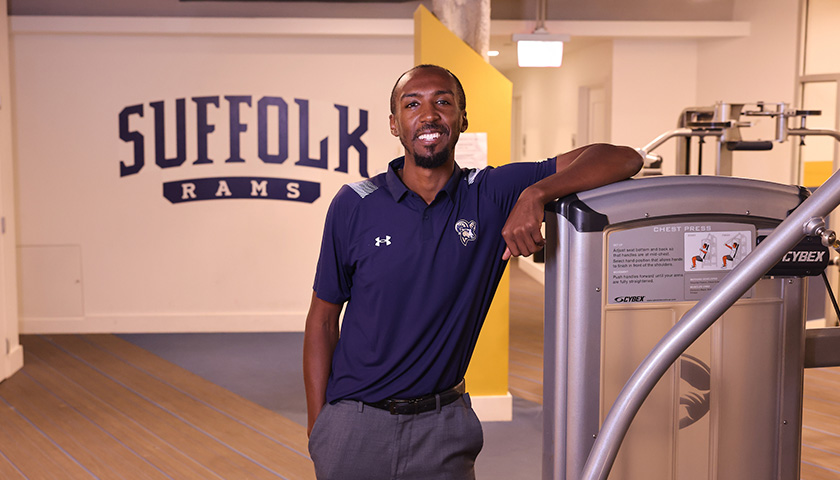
(408,407)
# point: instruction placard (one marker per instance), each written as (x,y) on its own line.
(673,262)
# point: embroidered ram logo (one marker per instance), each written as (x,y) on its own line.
(466,230)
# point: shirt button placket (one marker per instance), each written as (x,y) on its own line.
(427,224)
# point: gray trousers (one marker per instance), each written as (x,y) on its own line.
(351,440)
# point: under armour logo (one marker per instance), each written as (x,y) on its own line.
(383,241)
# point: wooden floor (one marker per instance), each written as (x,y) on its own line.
(821,412)
(526,336)
(96,406)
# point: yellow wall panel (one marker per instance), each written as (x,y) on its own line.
(489,96)
(816,173)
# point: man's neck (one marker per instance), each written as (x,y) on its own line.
(426,182)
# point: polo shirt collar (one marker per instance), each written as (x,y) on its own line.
(399,190)
(392,179)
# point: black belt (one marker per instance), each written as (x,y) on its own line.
(418,405)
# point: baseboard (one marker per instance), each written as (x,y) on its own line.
(815,323)
(493,408)
(166,323)
(14,361)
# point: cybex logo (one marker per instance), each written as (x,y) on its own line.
(804,256)
(272,146)
(629,299)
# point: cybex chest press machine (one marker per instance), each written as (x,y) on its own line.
(679,301)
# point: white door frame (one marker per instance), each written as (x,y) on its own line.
(11,353)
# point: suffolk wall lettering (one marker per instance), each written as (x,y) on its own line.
(272,145)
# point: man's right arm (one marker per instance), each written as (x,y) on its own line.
(581,169)
(319,340)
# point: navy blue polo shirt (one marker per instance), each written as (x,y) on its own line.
(418,279)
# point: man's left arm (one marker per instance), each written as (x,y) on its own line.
(581,169)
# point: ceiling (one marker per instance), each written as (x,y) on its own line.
(648,10)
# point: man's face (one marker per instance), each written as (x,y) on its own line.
(427,118)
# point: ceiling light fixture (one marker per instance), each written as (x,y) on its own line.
(540,48)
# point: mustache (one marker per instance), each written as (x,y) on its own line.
(432,128)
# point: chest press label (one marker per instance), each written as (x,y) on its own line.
(673,262)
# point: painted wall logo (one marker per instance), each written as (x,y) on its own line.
(272,146)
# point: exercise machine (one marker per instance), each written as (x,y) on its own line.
(639,272)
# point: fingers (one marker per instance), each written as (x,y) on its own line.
(523,244)
(522,230)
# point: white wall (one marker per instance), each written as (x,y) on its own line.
(542,112)
(760,67)
(653,81)
(647,82)
(108,253)
(550,97)
(820,55)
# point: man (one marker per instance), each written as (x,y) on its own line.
(417,254)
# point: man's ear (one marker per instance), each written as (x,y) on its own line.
(394,131)
(464,122)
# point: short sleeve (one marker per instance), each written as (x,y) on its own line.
(504,184)
(334,274)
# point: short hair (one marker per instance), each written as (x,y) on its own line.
(459,94)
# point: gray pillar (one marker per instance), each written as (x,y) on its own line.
(468,19)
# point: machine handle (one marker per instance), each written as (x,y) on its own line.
(755,145)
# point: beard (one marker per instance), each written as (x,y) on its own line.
(432,161)
(429,160)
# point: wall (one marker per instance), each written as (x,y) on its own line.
(102,249)
(647,83)
(761,67)
(550,97)
(652,82)
(539,102)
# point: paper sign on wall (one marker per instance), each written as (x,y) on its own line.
(471,150)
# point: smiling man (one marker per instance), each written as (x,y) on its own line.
(416,254)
